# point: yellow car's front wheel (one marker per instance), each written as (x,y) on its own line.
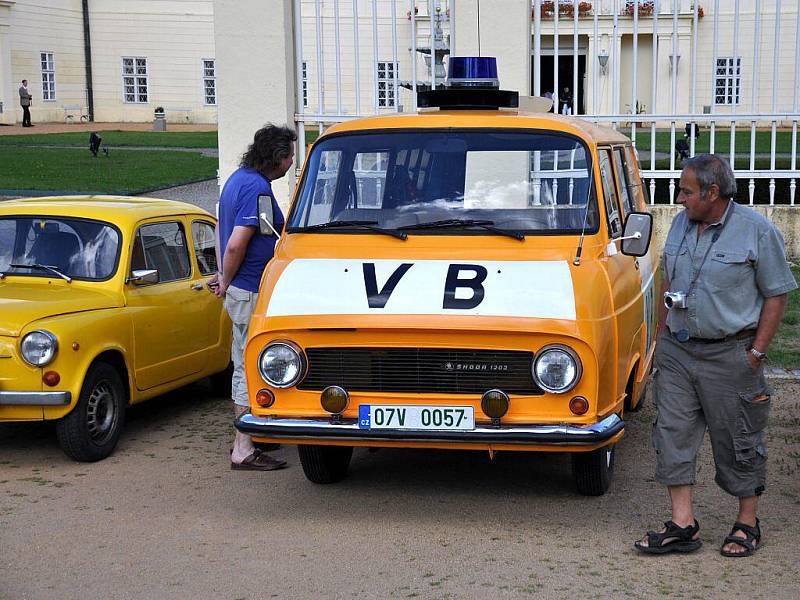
(91,431)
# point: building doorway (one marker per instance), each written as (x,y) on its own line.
(565,76)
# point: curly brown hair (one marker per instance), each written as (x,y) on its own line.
(271,145)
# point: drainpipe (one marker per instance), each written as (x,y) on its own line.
(87,49)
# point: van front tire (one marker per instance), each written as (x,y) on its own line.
(593,471)
(325,464)
(91,431)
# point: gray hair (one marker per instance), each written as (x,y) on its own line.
(711,169)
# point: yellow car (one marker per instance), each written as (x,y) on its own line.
(103,304)
(472,277)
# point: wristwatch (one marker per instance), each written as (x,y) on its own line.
(757,354)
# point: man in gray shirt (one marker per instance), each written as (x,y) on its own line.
(726,282)
(25,102)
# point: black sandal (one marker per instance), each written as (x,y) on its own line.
(751,543)
(680,539)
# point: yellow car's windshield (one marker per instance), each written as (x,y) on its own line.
(76,248)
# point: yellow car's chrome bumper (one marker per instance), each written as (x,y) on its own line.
(35,398)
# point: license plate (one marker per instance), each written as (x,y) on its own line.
(414,417)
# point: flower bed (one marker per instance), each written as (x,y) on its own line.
(566,8)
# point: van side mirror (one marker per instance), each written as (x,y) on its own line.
(266,216)
(637,233)
(143,277)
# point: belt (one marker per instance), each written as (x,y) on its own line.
(740,335)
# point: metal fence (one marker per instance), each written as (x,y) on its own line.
(398,33)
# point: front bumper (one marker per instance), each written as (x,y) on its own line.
(323,429)
(35,398)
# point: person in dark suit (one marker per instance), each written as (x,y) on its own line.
(25,102)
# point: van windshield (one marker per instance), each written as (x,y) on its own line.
(527,182)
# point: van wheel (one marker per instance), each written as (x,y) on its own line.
(629,399)
(325,464)
(594,470)
(91,431)
(221,382)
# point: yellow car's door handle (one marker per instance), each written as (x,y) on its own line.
(197,287)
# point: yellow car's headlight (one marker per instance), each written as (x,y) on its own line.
(39,348)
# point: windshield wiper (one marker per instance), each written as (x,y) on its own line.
(459,223)
(361,224)
(66,278)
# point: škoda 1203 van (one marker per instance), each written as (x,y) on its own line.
(468,277)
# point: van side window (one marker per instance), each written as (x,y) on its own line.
(610,194)
(640,195)
(624,181)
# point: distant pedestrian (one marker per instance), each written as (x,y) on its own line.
(243,253)
(566,102)
(25,102)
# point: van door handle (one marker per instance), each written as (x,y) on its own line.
(636,264)
(199,286)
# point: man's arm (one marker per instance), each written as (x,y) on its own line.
(235,251)
(768,322)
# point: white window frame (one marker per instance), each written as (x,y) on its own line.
(140,80)
(728,81)
(209,79)
(305,83)
(385,76)
(48,66)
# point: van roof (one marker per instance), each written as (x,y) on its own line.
(495,119)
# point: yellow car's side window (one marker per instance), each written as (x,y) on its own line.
(162,246)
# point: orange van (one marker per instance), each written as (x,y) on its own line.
(468,277)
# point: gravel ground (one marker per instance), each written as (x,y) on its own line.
(164,517)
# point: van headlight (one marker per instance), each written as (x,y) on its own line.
(556,369)
(281,364)
(39,348)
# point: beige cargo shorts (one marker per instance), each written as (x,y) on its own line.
(239,304)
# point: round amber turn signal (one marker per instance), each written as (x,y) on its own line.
(265,398)
(579,405)
(51,378)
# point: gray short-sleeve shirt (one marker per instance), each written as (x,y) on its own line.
(744,265)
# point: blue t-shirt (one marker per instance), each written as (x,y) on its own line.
(238,206)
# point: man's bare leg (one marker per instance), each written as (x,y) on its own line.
(748,510)
(680,497)
(242,443)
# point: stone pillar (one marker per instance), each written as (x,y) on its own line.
(255,78)
(9,95)
(505,32)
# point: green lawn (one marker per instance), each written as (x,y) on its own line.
(122,172)
(785,348)
(170,139)
(722,140)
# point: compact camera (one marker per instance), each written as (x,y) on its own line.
(675,299)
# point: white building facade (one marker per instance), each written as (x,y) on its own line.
(143,54)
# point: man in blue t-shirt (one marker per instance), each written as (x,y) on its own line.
(245,253)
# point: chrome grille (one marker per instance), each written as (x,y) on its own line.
(420,370)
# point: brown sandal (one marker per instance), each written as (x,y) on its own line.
(259,461)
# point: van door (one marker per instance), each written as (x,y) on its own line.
(623,275)
(626,166)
